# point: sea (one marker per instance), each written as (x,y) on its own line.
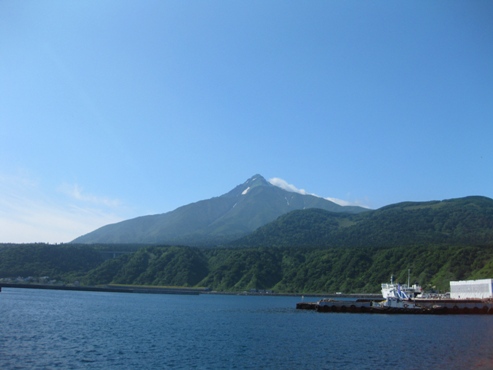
(49,329)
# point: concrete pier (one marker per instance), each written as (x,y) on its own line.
(430,307)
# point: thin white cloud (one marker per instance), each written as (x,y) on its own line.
(29,214)
(276,181)
(340,202)
(76,192)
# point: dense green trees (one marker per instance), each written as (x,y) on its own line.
(282,269)
(55,261)
(464,221)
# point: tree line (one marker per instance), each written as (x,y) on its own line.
(281,269)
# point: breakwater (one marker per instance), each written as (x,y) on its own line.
(108,288)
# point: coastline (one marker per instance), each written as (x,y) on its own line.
(106,288)
(178,290)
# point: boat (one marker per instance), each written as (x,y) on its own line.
(410,290)
(397,299)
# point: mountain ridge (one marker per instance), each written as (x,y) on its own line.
(214,221)
(458,221)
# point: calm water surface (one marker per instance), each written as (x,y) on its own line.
(41,329)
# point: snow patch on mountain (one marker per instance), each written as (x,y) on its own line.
(245,191)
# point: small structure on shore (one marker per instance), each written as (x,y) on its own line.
(471,289)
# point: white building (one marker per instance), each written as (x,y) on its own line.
(471,289)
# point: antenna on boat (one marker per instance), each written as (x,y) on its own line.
(408,277)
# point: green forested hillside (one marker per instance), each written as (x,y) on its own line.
(463,221)
(55,261)
(173,266)
(297,270)
(290,270)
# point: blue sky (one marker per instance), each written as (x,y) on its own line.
(115,109)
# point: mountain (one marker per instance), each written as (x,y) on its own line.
(214,221)
(462,221)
